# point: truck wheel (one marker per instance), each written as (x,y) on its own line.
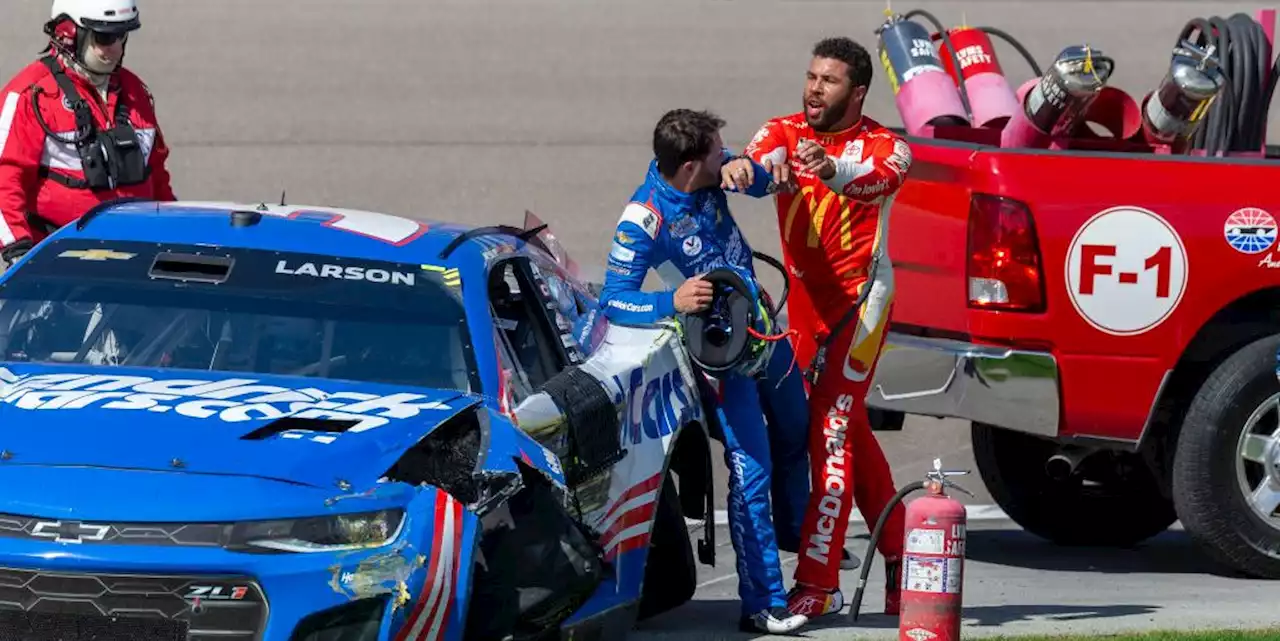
(670,573)
(886,420)
(1226,471)
(1112,499)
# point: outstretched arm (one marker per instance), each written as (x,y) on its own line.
(881,174)
(634,251)
(731,166)
(768,145)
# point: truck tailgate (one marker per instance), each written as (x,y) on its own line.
(927,239)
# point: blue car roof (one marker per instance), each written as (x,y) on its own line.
(348,233)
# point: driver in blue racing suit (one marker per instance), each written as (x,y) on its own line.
(678,223)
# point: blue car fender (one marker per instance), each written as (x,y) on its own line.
(509,443)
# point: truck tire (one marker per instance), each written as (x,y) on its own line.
(670,573)
(886,420)
(1217,467)
(1121,506)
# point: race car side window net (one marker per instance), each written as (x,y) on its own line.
(516,311)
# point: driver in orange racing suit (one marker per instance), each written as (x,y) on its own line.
(845,169)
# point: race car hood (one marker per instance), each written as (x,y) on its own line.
(294,429)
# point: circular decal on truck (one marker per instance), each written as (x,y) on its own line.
(1126,271)
(1250,230)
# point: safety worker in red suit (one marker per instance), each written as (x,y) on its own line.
(76,127)
(843,170)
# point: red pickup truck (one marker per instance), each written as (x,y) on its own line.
(1108,320)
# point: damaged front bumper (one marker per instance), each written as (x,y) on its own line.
(150,592)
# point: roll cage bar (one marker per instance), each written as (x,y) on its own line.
(526,235)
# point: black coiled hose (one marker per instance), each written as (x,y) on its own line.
(1026,55)
(1238,119)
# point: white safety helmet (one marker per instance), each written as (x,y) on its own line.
(72,22)
(107,16)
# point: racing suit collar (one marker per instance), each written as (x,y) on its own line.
(857,124)
(669,193)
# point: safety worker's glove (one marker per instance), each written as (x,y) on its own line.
(11,254)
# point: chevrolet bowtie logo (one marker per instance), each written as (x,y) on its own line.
(95,254)
(70,531)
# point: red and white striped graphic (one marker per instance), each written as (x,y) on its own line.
(627,522)
(430,616)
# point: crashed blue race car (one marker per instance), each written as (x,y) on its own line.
(279,423)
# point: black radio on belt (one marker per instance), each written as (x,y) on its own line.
(110,158)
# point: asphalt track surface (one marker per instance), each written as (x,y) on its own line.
(474,111)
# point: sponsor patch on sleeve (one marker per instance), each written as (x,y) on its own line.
(642,217)
(622,254)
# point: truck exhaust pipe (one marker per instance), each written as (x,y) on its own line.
(1063,465)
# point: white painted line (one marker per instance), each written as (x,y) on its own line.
(972,513)
(734,575)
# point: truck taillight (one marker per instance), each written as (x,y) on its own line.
(1004,256)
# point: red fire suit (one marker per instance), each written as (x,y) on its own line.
(27,155)
(831,231)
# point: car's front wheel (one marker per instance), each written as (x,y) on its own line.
(1226,472)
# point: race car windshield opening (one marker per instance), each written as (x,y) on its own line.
(273,313)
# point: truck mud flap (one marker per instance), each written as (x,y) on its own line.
(535,567)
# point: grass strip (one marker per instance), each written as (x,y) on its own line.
(1272,634)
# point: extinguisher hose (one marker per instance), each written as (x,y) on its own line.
(1237,121)
(951,51)
(856,604)
(1026,55)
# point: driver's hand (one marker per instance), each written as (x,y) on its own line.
(781,175)
(693,296)
(737,175)
(815,160)
(11,256)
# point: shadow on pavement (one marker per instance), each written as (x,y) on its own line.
(1171,552)
(996,615)
(719,617)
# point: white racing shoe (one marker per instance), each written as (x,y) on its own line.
(772,621)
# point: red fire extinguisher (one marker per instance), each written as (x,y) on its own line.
(990,97)
(932,560)
(922,91)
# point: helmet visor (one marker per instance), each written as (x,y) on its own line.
(112,26)
(107,38)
